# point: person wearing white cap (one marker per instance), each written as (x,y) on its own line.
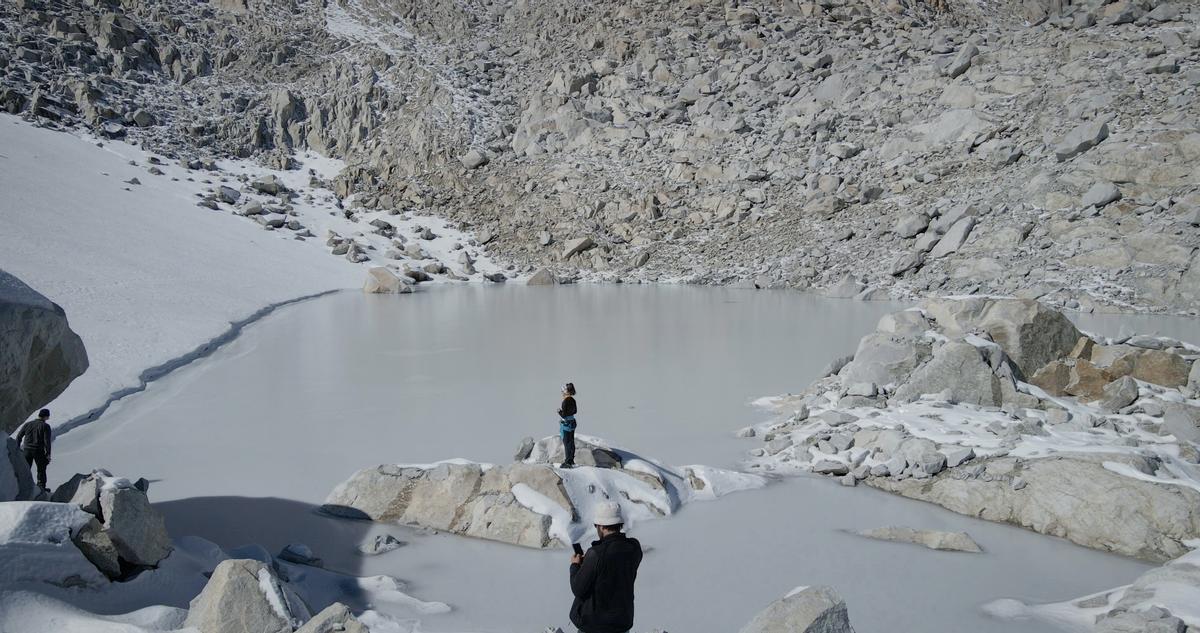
(602,579)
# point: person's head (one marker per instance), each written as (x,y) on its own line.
(569,389)
(44,414)
(608,519)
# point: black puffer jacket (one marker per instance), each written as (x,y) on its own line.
(603,585)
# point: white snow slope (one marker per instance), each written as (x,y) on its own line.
(147,277)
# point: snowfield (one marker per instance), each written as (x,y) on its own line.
(150,279)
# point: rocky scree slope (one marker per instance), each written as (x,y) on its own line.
(1041,148)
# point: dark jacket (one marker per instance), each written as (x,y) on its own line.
(35,435)
(603,585)
(568,409)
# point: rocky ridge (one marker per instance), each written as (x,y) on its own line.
(868,148)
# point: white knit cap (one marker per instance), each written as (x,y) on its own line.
(608,513)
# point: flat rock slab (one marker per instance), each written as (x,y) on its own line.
(1078,497)
(933,539)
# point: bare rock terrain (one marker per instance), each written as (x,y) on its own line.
(870,148)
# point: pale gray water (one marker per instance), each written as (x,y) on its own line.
(321,389)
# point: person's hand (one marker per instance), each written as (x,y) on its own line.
(576,559)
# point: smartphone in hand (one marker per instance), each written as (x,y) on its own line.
(578,549)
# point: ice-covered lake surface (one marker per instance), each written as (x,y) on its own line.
(243,444)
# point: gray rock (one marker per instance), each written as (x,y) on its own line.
(1100,194)
(524,450)
(300,554)
(98,548)
(911,225)
(543,277)
(381,544)
(82,490)
(269,184)
(1119,394)
(474,159)
(382,280)
(905,262)
(234,601)
(336,618)
(810,610)
(932,539)
(883,358)
(958,455)
(1182,421)
(829,467)
(959,373)
(836,418)
(39,353)
(954,238)
(576,246)
(1080,139)
(135,527)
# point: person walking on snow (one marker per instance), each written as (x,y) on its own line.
(602,579)
(35,437)
(566,424)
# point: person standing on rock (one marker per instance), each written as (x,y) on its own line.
(566,424)
(602,579)
(35,437)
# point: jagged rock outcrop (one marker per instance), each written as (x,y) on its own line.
(39,353)
(807,610)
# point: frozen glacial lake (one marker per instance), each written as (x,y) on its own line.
(243,444)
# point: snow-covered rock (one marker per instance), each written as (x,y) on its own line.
(528,503)
(36,545)
(805,610)
(39,353)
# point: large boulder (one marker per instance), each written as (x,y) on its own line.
(1159,367)
(809,610)
(381,280)
(135,527)
(467,499)
(98,548)
(245,596)
(1030,333)
(885,358)
(1077,497)
(39,353)
(958,372)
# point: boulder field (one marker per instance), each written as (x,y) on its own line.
(1002,409)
